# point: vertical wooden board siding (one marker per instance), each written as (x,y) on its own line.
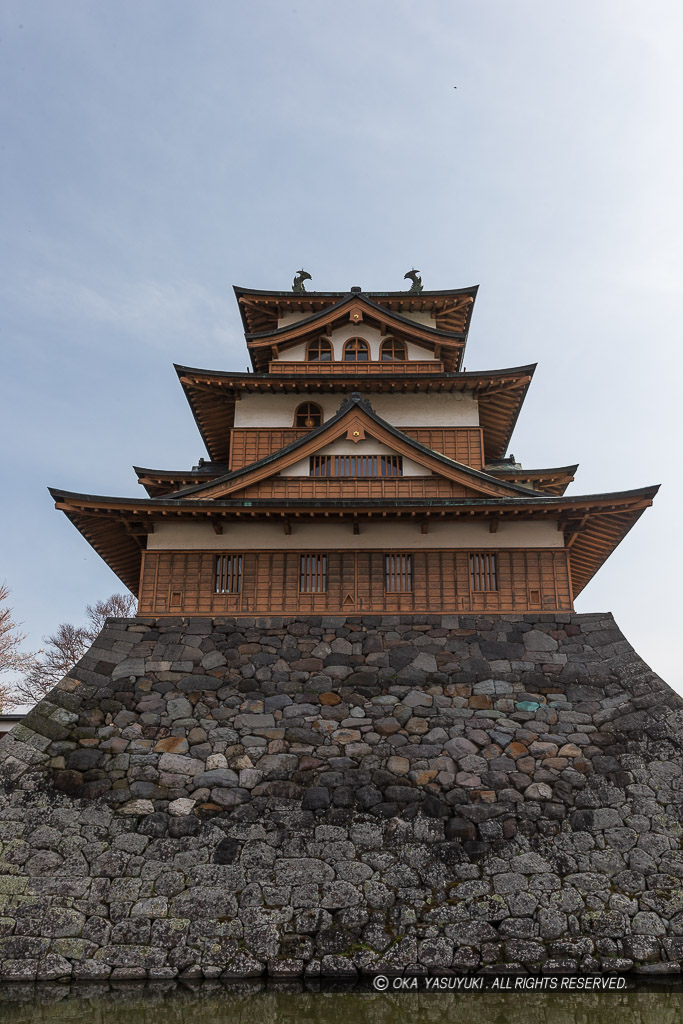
(530,580)
(342,580)
(249,444)
(464,444)
(365,573)
(518,579)
(462,577)
(147,587)
(311,488)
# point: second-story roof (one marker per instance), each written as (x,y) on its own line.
(212,394)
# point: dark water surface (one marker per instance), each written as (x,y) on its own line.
(254,1003)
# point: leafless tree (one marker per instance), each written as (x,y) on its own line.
(12,658)
(63,648)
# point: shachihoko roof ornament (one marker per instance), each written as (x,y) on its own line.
(414,276)
(298,282)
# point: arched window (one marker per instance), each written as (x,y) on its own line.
(319,351)
(356,351)
(392,351)
(308,415)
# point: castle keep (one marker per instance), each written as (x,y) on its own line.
(356,726)
(358,469)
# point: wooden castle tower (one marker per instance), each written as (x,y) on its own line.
(357,470)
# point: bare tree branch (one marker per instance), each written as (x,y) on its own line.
(12,658)
(63,649)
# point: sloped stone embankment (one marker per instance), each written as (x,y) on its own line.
(335,795)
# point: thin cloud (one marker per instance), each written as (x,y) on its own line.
(149,311)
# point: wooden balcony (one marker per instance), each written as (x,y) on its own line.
(352,369)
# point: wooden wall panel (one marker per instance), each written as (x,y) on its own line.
(182,582)
(249,444)
(312,488)
(464,444)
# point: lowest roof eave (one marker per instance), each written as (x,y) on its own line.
(559,502)
(102,520)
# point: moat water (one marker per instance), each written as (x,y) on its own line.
(257,1003)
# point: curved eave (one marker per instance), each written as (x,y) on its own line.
(113,538)
(574,504)
(591,546)
(213,408)
(163,481)
(552,481)
(268,305)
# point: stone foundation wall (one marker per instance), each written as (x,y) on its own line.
(330,795)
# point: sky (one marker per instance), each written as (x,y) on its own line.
(156,152)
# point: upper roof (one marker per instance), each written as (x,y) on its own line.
(272,338)
(261,309)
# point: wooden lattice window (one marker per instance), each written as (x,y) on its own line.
(392,351)
(483,573)
(319,351)
(313,574)
(228,574)
(356,350)
(356,465)
(308,415)
(398,573)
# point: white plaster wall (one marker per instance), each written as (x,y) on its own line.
(420,318)
(297,353)
(328,536)
(408,410)
(294,318)
(291,318)
(368,447)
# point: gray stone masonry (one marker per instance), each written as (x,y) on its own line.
(331,795)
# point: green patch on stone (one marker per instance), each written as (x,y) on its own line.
(527,705)
(13,884)
(73,949)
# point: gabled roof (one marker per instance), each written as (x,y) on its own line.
(355,411)
(212,394)
(260,310)
(358,308)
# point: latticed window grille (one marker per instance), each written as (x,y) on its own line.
(356,465)
(356,351)
(392,351)
(308,414)
(483,573)
(319,351)
(228,574)
(398,573)
(313,574)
